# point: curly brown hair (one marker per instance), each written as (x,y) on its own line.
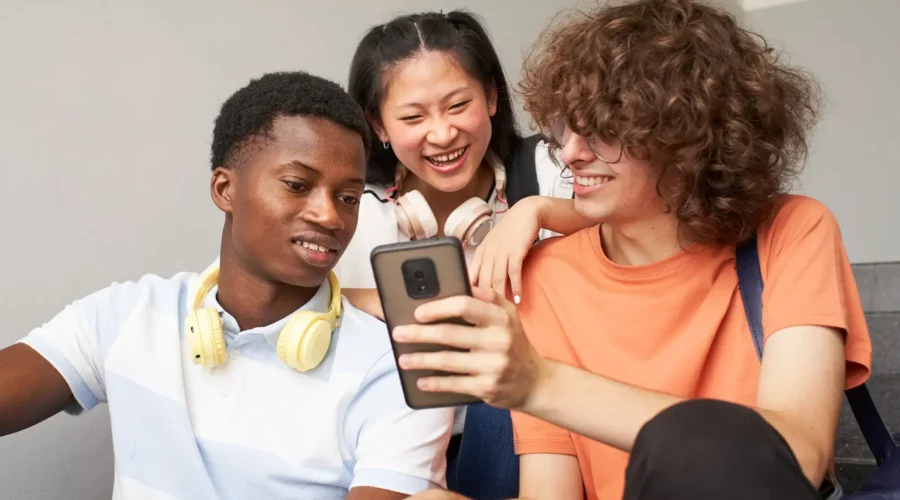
(679,84)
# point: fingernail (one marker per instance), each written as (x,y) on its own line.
(516,299)
(399,333)
(403,361)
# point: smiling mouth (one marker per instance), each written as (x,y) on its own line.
(446,159)
(313,247)
(592,181)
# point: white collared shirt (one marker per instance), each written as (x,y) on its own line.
(253,427)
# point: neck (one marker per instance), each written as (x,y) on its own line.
(443,203)
(643,242)
(250,298)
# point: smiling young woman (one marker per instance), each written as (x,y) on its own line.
(447,158)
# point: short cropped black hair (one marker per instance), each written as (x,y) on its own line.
(250,111)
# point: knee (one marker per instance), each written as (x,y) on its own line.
(685,445)
(704,427)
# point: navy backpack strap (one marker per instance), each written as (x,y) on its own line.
(750,283)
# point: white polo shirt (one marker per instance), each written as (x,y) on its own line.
(252,428)
(378,226)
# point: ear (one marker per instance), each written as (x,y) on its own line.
(378,127)
(491,96)
(222,188)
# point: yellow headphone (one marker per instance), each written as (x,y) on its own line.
(302,343)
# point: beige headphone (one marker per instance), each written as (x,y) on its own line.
(470,222)
(302,343)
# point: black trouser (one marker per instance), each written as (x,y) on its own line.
(704,449)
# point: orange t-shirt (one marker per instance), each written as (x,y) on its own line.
(678,326)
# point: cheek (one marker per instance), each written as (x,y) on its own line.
(475,123)
(640,188)
(407,142)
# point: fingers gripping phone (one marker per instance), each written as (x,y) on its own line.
(408,275)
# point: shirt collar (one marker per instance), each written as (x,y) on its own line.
(320,303)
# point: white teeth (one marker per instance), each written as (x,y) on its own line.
(314,247)
(591,181)
(450,157)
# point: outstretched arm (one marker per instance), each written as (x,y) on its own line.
(799,391)
(31,389)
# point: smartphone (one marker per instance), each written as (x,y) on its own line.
(408,275)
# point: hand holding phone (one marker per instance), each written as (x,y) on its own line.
(408,275)
(485,356)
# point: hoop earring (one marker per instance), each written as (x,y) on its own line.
(384,141)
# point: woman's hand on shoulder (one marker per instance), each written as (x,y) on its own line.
(498,259)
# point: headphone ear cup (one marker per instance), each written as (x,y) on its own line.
(305,340)
(470,222)
(203,329)
(414,216)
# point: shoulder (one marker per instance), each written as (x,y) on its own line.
(798,216)
(147,291)
(550,252)
(100,318)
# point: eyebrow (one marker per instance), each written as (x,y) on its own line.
(449,95)
(299,165)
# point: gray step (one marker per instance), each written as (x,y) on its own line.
(879,286)
(853,459)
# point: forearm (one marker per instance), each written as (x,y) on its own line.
(615,412)
(559,215)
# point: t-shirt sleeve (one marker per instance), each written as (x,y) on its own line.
(395,447)
(809,281)
(76,340)
(531,434)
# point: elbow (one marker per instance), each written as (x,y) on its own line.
(812,452)
(814,459)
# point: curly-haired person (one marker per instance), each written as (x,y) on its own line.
(628,362)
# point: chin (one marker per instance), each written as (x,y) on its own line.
(306,278)
(592,209)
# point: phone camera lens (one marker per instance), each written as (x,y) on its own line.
(419,275)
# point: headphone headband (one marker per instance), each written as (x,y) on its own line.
(210,278)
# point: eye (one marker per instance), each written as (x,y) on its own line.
(460,105)
(410,118)
(349,200)
(295,186)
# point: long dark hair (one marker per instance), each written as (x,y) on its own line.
(457,32)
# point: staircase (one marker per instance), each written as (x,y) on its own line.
(879,288)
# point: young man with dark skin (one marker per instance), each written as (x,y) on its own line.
(252,379)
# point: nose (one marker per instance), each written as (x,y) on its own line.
(321,211)
(575,150)
(442,133)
